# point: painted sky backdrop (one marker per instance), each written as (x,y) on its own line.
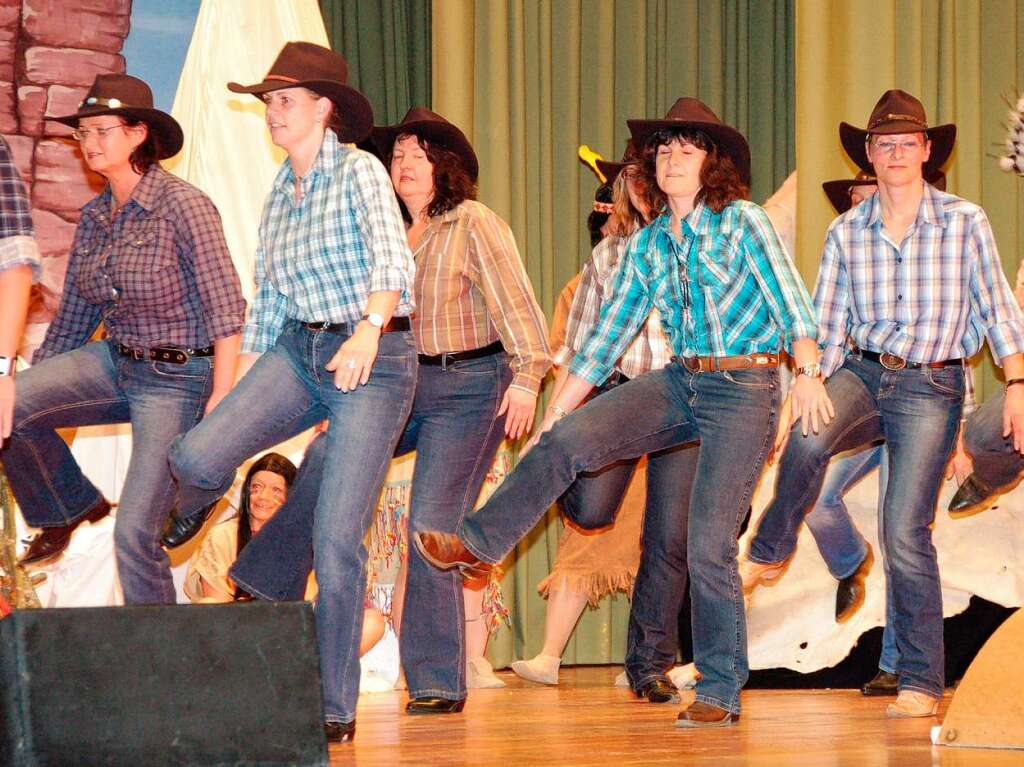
(157,43)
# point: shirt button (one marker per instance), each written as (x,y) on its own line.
(899,260)
(899,297)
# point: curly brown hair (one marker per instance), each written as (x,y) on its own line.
(720,181)
(452,184)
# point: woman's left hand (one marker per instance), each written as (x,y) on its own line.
(518,407)
(811,404)
(354,360)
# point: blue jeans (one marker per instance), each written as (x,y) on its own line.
(996,463)
(660,586)
(286,391)
(455,430)
(90,386)
(841,545)
(733,414)
(916,412)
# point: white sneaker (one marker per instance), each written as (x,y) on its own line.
(480,675)
(542,669)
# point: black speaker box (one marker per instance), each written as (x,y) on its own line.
(235,684)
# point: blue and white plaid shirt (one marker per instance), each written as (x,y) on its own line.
(934,297)
(727,287)
(17,245)
(319,259)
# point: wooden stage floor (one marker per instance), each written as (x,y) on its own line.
(587,721)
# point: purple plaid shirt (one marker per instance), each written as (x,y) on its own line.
(934,297)
(158,273)
(17,245)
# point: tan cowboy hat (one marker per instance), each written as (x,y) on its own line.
(420,121)
(898,112)
(129,97)
(323,71)
(693,113)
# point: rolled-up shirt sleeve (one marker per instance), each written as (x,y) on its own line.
(992,300)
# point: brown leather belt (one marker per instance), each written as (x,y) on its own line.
(472,354)
(892,362)
(164,353)
(736,362)
(347,328)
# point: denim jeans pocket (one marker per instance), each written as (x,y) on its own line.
(482,366)
(948,381)
(752,378)
(196,368)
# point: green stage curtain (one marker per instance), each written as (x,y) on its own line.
(961,58)
(387,46)
(531,80)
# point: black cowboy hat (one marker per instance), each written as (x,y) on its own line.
(838,191)
(898,112)
(695,114)
(420,121)
(323,71)
(611,170)
(129,97)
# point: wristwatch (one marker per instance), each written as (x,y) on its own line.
(6,366)
(811,370)
(375,319)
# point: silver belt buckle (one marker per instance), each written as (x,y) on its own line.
(891,361)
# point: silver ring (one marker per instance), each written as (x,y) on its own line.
(351,363)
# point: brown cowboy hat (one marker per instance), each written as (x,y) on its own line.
(898,112)
(838,191)
(420,121)
(323,71)
(611,170)
(695,114)
(128,97)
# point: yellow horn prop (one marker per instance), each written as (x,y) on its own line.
(590,158)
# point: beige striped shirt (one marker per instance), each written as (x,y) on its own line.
(472,290)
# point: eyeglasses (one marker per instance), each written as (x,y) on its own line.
(82,134)
(890,147)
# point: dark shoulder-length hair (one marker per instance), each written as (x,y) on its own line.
(452,184)
(720,181)
(145,154)
(272,462)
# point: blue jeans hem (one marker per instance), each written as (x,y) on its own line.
(717,702)
(433,693)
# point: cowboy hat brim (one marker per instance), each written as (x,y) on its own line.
(170,135)
(611,170)
(728,138)
(943,138)
(442,133)
(838,191)
(353,107)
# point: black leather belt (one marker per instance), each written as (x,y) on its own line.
(164,353)
(472,354)
(347,328)
(892,362)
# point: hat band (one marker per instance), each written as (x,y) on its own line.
(93,101)
(282,78)
(604,207)
(896,117)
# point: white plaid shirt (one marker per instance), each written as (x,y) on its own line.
(649,350)
(933,298)
(318,260)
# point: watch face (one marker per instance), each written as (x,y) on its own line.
(375,319)
(6,366)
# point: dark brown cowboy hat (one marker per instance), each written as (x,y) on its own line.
(695,114)
(323,71)
(611,170)
(838,191)
(898,112)
(420,121)
(128,97)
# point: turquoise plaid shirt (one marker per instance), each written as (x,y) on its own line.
(726,287)
(318,260)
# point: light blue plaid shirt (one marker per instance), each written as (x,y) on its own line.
(934,297)
(319,260)
(727,287)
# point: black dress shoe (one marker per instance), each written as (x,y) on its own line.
(973,496)
(853,589)
(340,732)
(659,691)
(434,706)
(884,683)
(178,531)
(52,541)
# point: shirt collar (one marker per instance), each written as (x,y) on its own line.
(146,194)
(696,223)
(931,209)
(323,165)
